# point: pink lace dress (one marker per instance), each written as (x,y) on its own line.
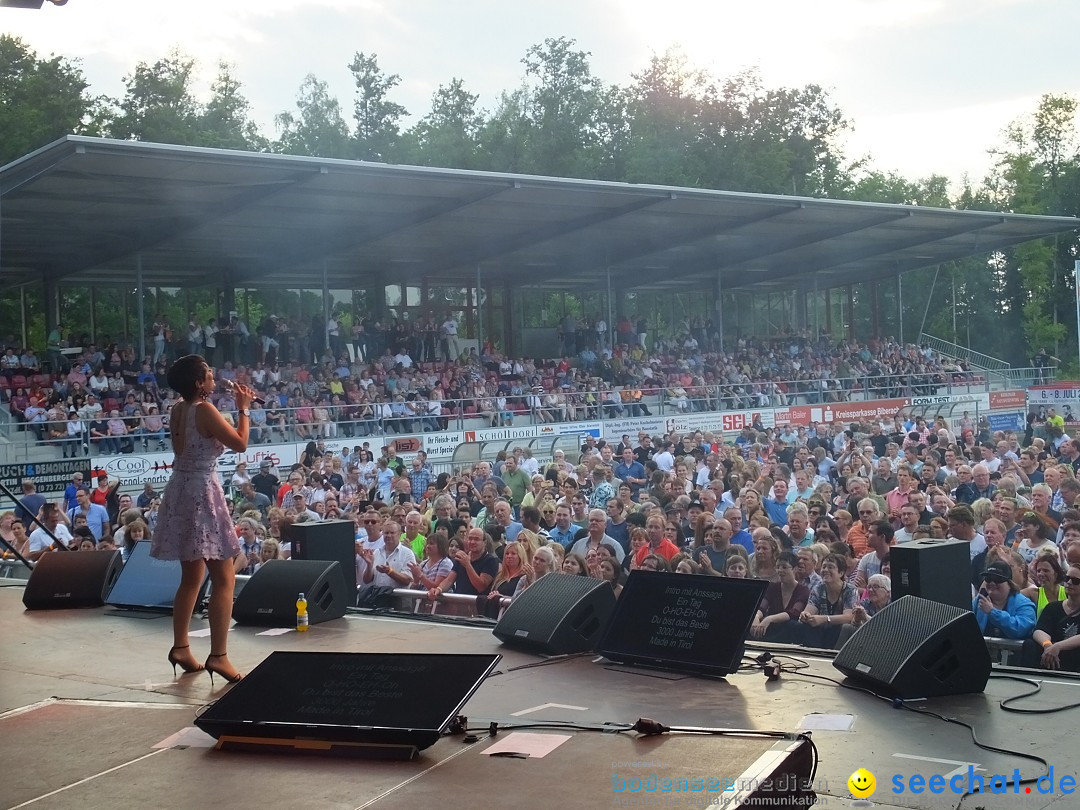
(195,522)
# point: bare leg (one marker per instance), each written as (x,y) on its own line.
(191,578)
(222,580)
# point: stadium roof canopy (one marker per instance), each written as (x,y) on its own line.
(87,210)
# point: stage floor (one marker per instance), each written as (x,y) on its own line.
(93,718)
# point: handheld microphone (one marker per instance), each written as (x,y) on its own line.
(230,386)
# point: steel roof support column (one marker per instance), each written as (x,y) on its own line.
(720,307)
(93,315)
(479,316)
(875,310)
(610,336)
(326,309)
(828,311)
(509,327)
(900,306)
(139,308)
(851,311)
(22,314)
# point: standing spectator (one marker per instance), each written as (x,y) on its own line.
(30,504)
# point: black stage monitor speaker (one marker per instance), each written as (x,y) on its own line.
(386,705)
(938,570)
(328,540)
(558,614)
(148,584)
(916,648)
(67,579)
(269,598)
(682,622)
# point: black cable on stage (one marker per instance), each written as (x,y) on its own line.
(555,659)
(1037,687)
(901,704)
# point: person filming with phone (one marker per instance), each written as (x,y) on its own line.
(1001,610)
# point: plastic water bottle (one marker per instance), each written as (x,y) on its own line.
(301,614)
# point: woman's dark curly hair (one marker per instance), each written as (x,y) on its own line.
(186,373)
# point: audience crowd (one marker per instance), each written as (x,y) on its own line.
(814,511)
(409,377)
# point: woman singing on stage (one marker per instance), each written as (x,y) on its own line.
(194,524)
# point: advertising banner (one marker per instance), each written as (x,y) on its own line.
(1008,400)
(137,469)
(502,434)
(970,402)
(615,429)
(1013,420)
(1062,397)
(570,429)
(441,446)
(50,476)
(828,413)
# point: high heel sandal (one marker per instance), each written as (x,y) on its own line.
(174,660)
(212,669)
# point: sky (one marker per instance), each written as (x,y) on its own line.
(929,85)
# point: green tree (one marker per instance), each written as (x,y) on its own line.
(225,122)
(40,99)
(449,135)
(378,120)
(665,110)
(317,128)
(561,108)
(1033,174)
(504,137)
(159,104)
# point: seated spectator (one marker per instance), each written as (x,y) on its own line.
(1055,644)
(831,604)
(1001,610)
(878,595)
(783,603)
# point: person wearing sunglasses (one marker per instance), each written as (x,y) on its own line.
(999,607)
(1055,644)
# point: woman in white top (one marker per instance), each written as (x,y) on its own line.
(99,383)
(367,470)
(239,477)
(76,435)
(1036,536)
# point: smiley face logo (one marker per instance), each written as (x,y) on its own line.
(862,784)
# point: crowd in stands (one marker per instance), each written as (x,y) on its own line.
(411,377)
(813,511)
